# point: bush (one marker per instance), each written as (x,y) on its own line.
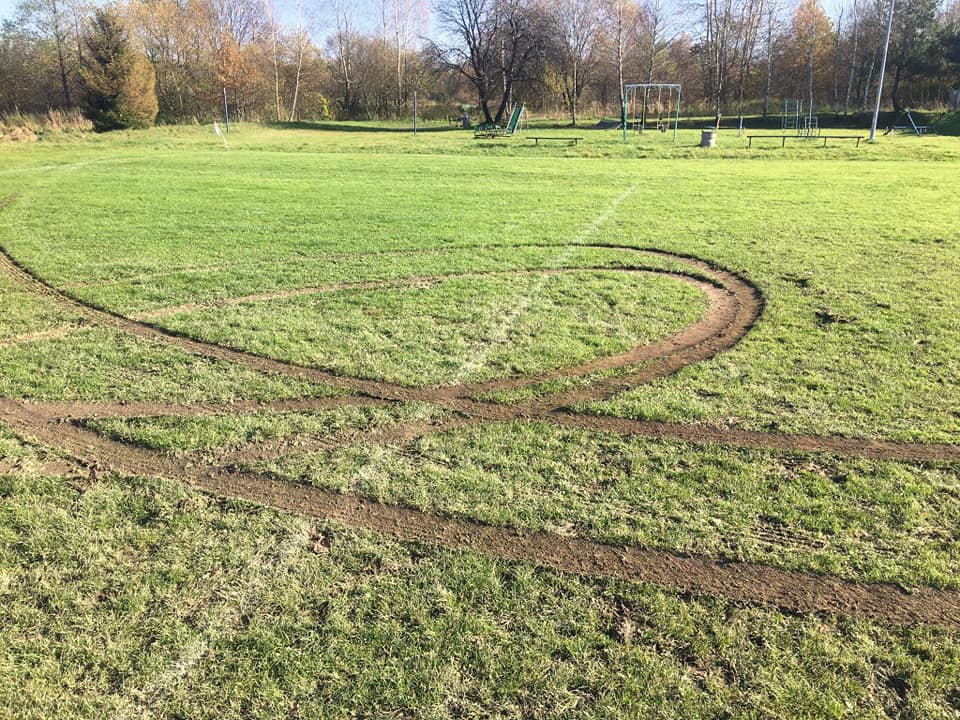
(949,124)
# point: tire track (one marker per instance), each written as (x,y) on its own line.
(698,575)
(56,333)
(733,307)
(723,305)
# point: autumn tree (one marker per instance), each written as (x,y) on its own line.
(807,53)
(118,82)
(912,42)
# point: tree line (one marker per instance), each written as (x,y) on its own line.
(364,59)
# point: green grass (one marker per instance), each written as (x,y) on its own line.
(862,520)
(178,435)
(461,330)
(873,244)
(22,312)
(137,597)
(100,364)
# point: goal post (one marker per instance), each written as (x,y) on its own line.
(631,91)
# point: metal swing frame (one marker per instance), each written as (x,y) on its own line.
(632,88)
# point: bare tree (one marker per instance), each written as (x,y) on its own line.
(655,45)
(838,39)
(855,46)
(718,20)
(576,23)
(768,52)
(49,21)
(271,18)
(748,28)
(342,42)
(620,16)
(302,41)
(408,18)
(494,41)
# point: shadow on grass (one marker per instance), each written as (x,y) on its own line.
(429,127)
(366,128)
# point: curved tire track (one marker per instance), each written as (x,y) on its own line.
(734,305)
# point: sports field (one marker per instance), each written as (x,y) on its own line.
(335,421)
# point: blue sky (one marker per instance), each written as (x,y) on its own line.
(287,13)
(6,8)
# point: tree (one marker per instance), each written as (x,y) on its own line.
(950,57)
(807,54)
(496,39)
(576,23)
(914,31)
(118,82)
(621,18)
(50,27)
(342,45)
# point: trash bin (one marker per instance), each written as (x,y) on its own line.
(708,137)
(465,121)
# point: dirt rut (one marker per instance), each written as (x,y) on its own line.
(733,306)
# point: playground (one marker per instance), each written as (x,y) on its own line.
(442,425)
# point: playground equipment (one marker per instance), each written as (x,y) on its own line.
(793,118)
(791,115)
(911,128)
(492,130)
(631,98)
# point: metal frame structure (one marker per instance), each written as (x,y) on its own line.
(790,120)
(634,87)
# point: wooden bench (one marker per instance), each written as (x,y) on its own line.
(537,138)
(784,138)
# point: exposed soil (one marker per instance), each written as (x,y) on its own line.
(733,306)
(739,581)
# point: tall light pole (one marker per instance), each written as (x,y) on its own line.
(883,67)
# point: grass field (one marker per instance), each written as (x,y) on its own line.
(337,421)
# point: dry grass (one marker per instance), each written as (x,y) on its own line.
(26,127)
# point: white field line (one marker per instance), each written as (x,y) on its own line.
(380,461)
(61,331)
(227,605)
(515,306)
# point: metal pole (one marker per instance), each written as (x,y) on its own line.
(676,121)
(623,114)
(883,67)
(226,113)
(414,112)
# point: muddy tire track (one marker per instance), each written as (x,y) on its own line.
(698,575)
(715,435)
(734,305)
(724,305)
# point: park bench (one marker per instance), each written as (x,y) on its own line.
(917,130)
(537,138)
(825,138)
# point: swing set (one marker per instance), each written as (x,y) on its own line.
(634,93)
